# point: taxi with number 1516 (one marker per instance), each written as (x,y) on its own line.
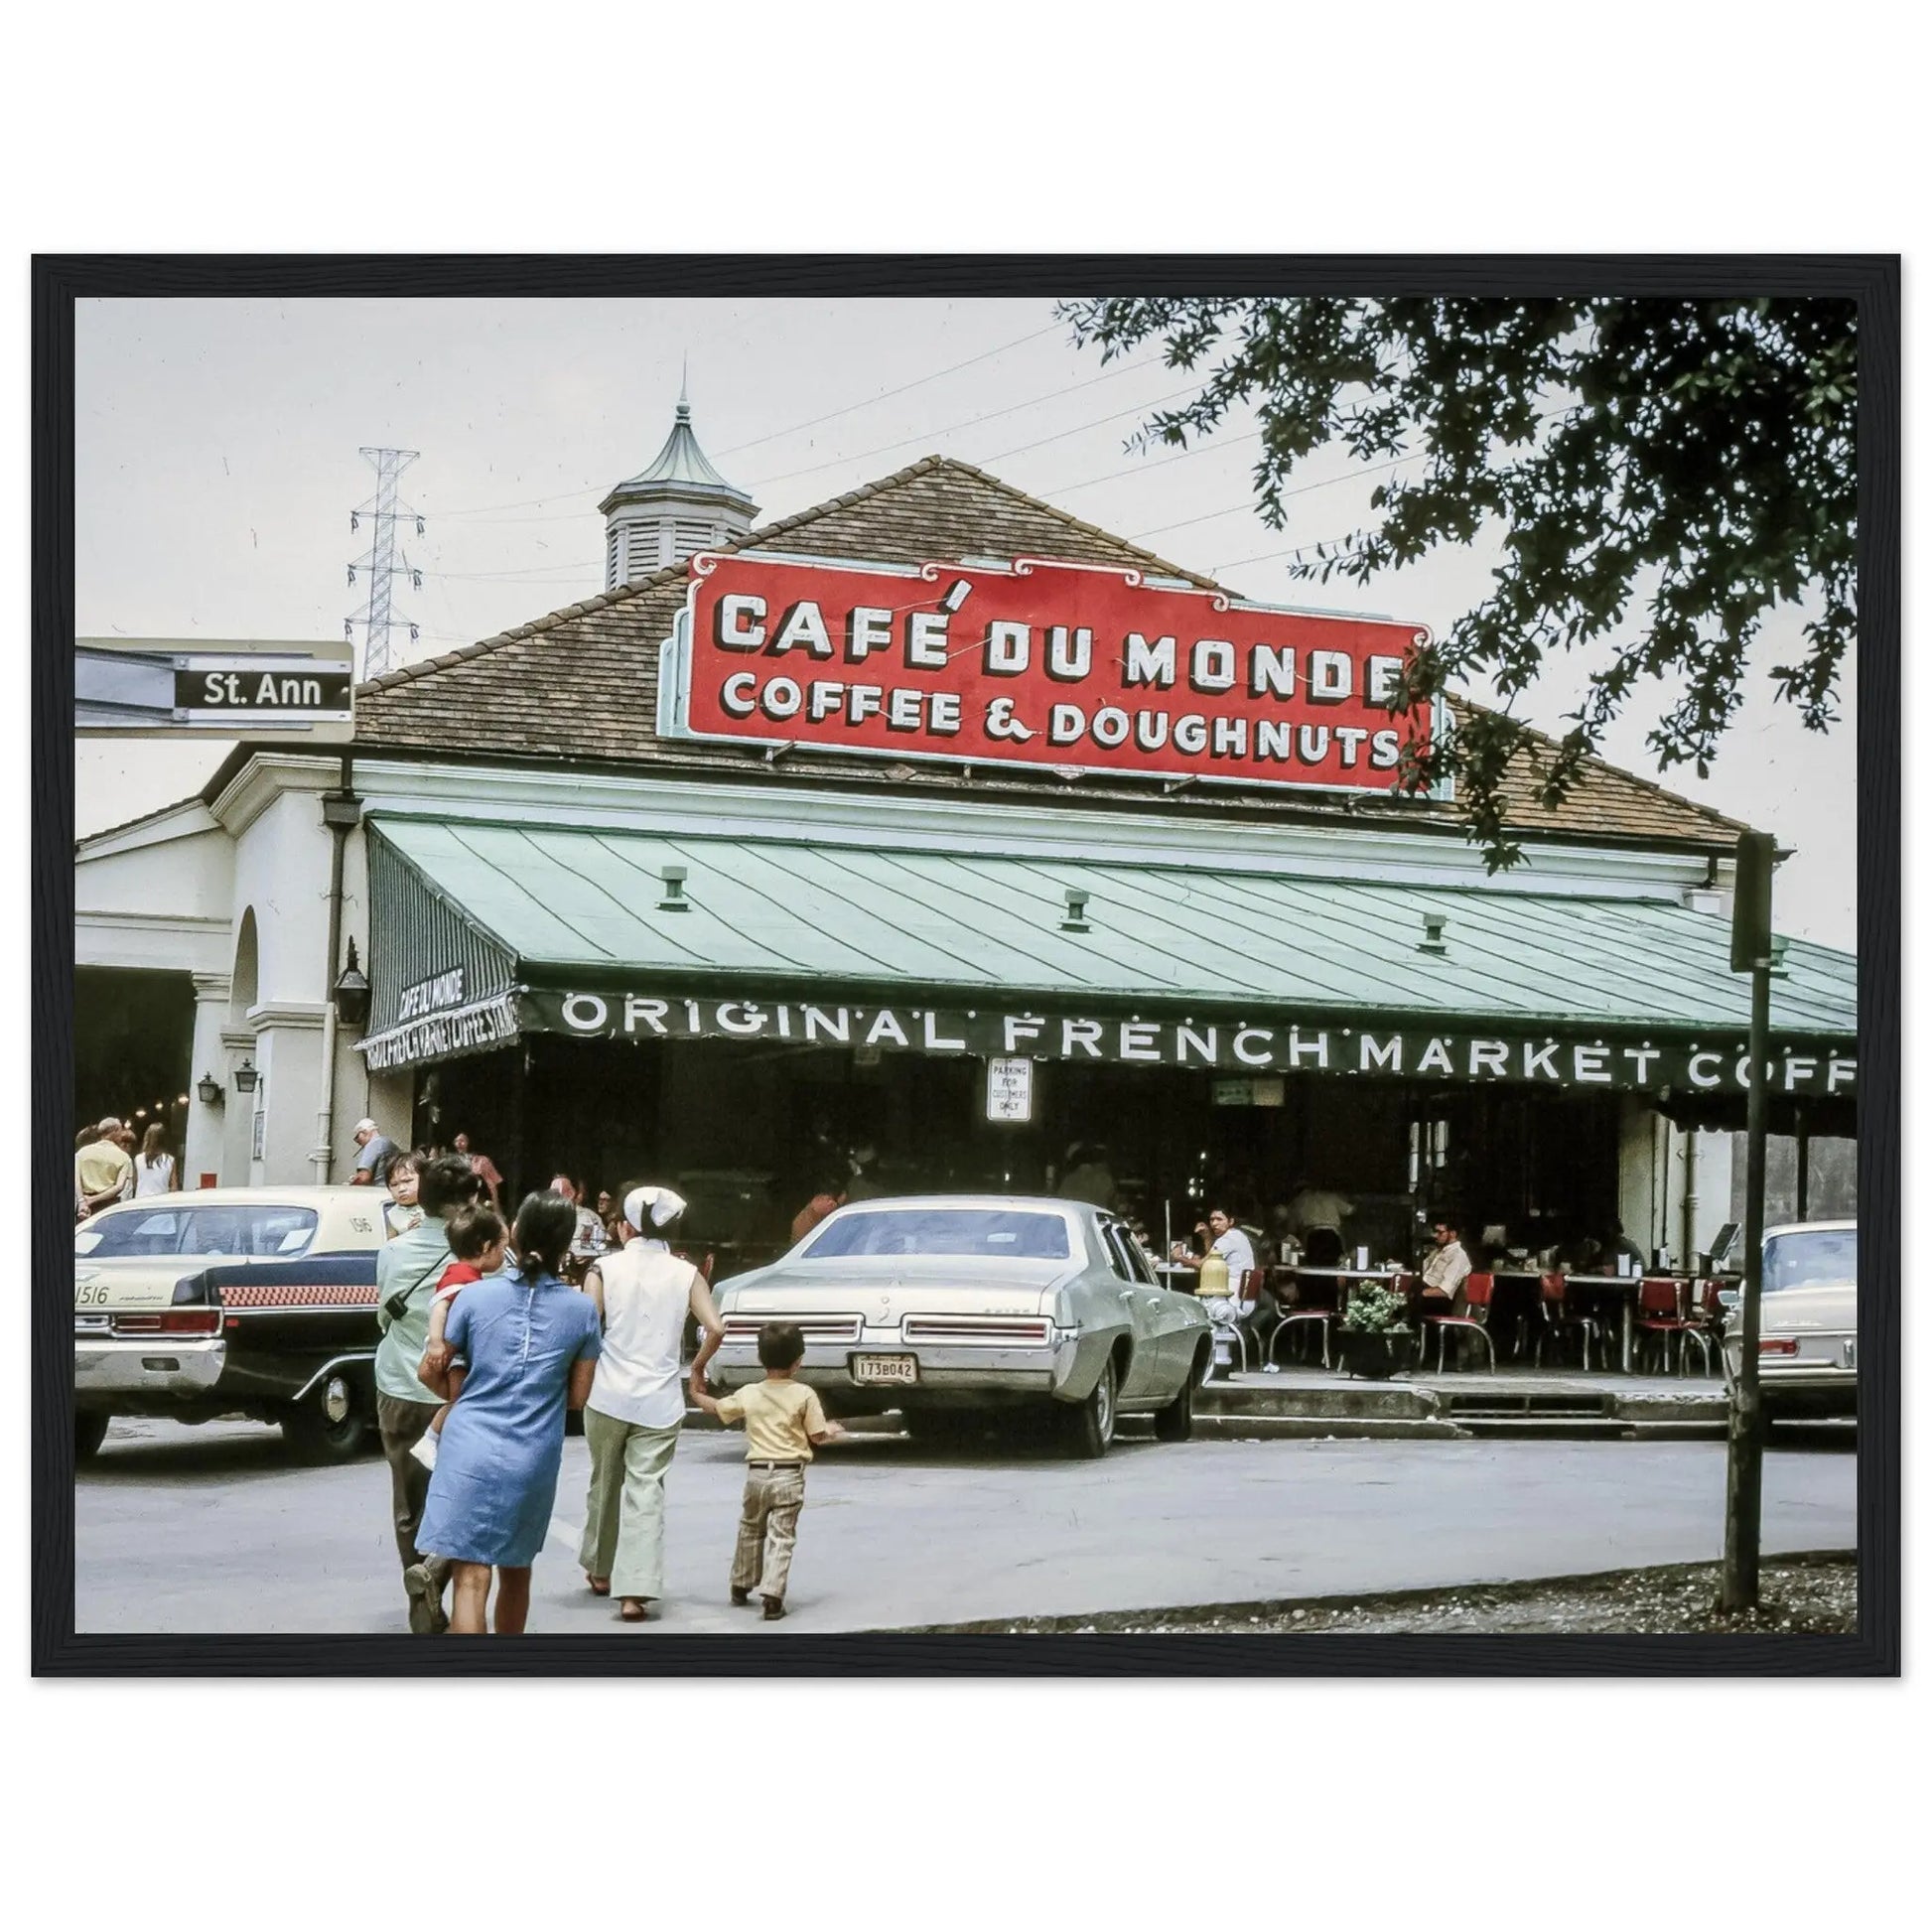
(252,1301)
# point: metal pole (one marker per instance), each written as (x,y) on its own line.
(1745,1469)
(323,1158)
(1804,1168)
(1688,1253)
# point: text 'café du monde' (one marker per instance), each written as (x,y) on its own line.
(959,664)
(937,821)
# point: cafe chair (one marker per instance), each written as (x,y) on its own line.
(1662,1316)
(1317,1300)
(1245,1292)
(1562,1324)
(1470,1315)
(1707,1314)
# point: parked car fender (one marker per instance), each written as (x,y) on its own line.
(1091,1353)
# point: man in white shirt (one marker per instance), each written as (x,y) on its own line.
(1234,1247)
(1445,1269)
(374,1150)
(1317,1208)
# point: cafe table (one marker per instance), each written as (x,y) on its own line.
(1626,1285)
(1304,1270)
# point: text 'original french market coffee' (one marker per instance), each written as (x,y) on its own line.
(1042,663)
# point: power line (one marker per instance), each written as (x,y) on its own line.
(523,502)
(1300,489)
(1098,422)
(886,395)
(591,488)
(1294,550)
(950,429)
(1159,462)
(531,570)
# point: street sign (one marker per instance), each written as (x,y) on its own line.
(1010,1089)
(1750,904)
(224,689)
(149,688)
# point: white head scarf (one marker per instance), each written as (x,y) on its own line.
(645,1207)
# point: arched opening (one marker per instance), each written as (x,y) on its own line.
(133,1032)
(248,972)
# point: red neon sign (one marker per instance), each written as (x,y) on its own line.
(1039,662)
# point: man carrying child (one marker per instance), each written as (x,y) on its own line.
(408,1268)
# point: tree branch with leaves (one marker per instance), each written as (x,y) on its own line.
(1686,465)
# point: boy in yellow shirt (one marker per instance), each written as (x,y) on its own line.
(782,1420)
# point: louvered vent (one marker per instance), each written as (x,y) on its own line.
(687,538)
(613,560)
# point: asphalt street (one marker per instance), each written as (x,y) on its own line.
(211,1528)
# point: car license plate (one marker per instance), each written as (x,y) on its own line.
(885,1368)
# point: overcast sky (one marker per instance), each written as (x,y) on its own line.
(216,464)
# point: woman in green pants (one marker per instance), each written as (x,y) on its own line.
(642,1294)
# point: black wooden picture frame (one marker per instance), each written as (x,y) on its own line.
(1872,282)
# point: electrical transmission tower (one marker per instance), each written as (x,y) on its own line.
(383,512)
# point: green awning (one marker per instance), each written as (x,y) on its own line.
(574,911)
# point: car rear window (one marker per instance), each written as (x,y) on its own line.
(1813,1257)
(943,1231)
(263,1232)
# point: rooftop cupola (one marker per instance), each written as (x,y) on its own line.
(676,504)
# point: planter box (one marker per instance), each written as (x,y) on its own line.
(1373,1357)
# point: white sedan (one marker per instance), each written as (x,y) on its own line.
(948,1306)
(1808,1322)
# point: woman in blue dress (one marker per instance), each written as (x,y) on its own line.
(529,1345)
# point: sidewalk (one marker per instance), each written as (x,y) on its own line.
(1309,1400)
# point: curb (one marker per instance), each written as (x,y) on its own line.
(1413,1412)
(1515,1587)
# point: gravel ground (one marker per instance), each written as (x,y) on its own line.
(1802,1596)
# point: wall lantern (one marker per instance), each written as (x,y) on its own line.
(246,1077)
(210,1089)
(351,993)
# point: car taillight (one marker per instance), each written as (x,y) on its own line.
(170,1321)
(1777,1345)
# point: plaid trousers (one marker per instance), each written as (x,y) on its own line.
(768,1530)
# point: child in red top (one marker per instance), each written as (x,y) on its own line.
(478,1240)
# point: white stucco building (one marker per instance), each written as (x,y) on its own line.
(507,822)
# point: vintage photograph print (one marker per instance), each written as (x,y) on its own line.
(759,968)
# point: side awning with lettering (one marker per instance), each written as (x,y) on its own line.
(440,984)
(605,934)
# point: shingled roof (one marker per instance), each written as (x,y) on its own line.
(581,684)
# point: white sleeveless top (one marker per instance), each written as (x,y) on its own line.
(153,1176)
(641,1374)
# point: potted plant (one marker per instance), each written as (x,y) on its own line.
(1374,1333)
